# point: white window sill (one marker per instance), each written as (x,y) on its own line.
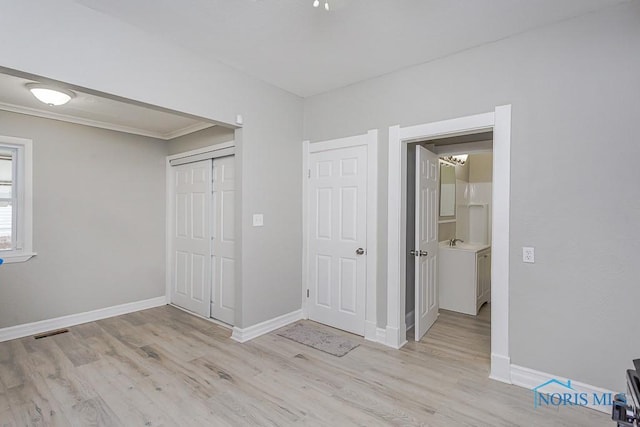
(17,257)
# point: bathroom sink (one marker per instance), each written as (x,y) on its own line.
(474,247)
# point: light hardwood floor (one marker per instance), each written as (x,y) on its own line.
(163,367)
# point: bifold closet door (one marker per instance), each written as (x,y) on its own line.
(191,232)
(222,239)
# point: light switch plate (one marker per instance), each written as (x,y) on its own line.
(528,255)
(258,220)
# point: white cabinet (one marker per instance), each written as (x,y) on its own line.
(483,277)
(464,277)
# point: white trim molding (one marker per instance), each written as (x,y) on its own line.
(104,125)
(185,130)
(501,201)
(370,140)
(498,121)
(28,329)
(500,368)
(208,149)
(530,379)
(23,182)
(246,334)
(305,228)
(20,256)
(375,334)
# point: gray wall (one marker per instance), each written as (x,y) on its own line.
(203,138)
(98,222)
(116,58)
(574,89)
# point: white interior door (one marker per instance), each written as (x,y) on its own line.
(191,246)
(338,237)
(223,238)
(426,275)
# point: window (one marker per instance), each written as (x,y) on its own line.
(7,221)
(15,199)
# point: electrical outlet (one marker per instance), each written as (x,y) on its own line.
(258,220)
(528,255)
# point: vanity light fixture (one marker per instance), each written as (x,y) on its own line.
(445,162)
(457,160)
(50,95)
(461,157)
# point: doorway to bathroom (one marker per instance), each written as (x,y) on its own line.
(499,121)
(457,218)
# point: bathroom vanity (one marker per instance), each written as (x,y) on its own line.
(464,277)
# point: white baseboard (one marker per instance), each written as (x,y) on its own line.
(500,368)
(395,337)
(28,329)
(370,331)
(530,378)
(375,334)
(251,332)
(410,319)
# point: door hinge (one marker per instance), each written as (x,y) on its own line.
(309,173)
(307,293)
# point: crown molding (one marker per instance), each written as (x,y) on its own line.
(186,130)
(103,125)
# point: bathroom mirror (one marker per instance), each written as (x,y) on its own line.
(447,191)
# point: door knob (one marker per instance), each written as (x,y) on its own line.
(423,253)
(360,251)
(413,252)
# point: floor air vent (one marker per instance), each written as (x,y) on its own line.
(51,333)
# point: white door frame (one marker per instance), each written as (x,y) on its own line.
(370,140)
(500,122)
(169,196)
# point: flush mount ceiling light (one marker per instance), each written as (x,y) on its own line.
(316,3)
(457,160)
(50,95)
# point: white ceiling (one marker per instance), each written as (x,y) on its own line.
(97,111)
(307,51)
(294,46)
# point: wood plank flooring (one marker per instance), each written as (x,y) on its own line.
(164,367)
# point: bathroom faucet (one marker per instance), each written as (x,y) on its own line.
(452,242)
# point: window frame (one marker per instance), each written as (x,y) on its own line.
(22,193)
